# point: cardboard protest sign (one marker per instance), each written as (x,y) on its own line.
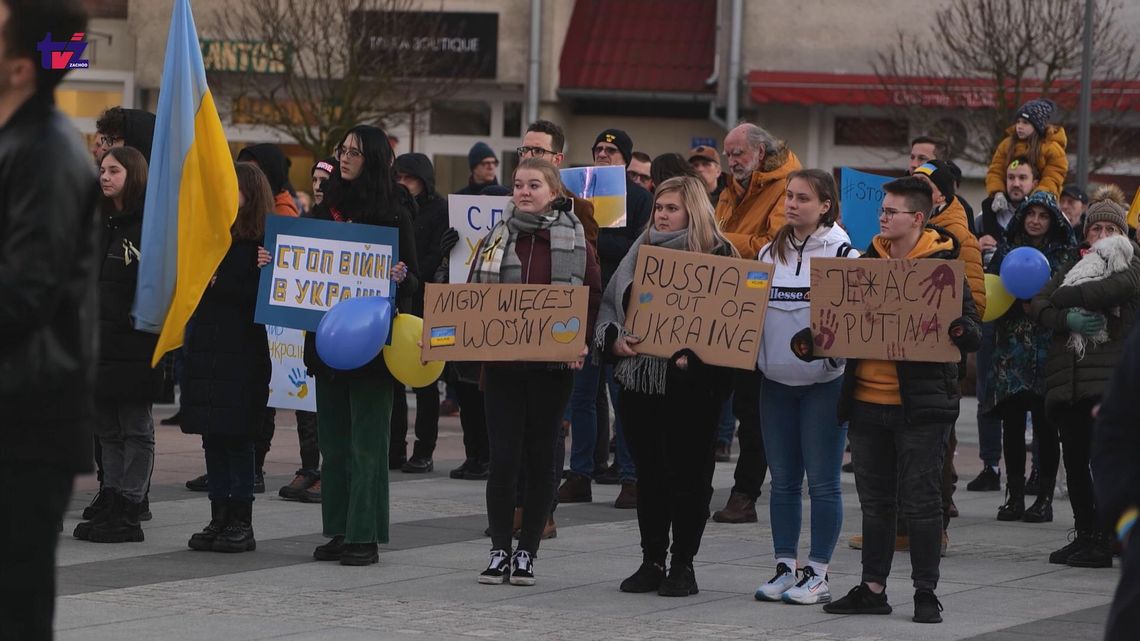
(318,263)
(860,197)
(484,322)
(602,186)
(290,386)
(886,309)
(473,217)
(712,305)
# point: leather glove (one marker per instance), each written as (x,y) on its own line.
(803,345)
(1084,323)
(448,240)
(1000,202)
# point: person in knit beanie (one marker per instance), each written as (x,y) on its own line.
(607,143)
(483,163)
(1107,211)
(1031,136)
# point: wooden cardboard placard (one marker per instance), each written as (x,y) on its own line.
(482,322)
(712,305)
(886,309)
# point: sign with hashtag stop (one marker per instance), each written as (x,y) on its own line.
(885,309)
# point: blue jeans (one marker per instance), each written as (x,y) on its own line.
(727,427)
(802,434)
(584,422)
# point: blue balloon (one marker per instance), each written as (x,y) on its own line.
(353,332)
(1024,271)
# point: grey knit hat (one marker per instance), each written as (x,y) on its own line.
(1038,112)
(1107,211)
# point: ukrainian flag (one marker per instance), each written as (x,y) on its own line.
(191,192)
(602,186)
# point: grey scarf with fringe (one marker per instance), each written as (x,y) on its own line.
(497,262)
(641,373)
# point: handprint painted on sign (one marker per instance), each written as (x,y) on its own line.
(825,329)
(938,280)
(297,378)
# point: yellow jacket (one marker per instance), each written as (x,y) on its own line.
(750,219)
(1052,163)
(953,220)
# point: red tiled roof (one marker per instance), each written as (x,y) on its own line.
(640,45)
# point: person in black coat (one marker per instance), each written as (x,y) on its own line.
(127,384)
(226,380)
(48,334)
(415,172)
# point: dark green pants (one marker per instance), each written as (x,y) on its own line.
(356,415)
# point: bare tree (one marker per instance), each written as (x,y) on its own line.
(321,67)
(981,59)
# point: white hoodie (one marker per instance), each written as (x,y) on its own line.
(789,309)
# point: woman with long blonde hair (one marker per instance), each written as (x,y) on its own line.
(670,406)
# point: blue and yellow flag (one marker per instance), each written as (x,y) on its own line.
(602,186)
(191,192)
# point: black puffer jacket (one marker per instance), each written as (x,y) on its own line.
(1069,379)
(49,252)
(272,162)
(930,392)
(124,352)
(225,382)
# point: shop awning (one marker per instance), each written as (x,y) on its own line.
(811,88)
(647,47)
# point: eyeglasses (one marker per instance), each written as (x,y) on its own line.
(638,177)
(534,151)
(890,213)
(107,141)
(349,152)
(609,151)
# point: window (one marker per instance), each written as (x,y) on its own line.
(461,118)
(512,119)
(871,132)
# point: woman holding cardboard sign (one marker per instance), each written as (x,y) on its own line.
(670,406)
(355,406)
(798,400)
(538,241)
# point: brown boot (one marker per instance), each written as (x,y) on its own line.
(739,509)
(575,489)
(902,542)
(627,498)
(516,523)
(551,530)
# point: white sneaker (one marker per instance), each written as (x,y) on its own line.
(782,582)
(811,589)
(522,568)
(498,569)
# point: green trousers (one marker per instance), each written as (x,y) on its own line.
(356,415)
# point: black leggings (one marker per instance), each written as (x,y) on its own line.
(1076,423)
(427,421)
(524,417)
(1013,441)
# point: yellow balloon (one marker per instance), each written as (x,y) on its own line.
(998,299)
(403,356)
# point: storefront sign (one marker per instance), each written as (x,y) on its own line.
(256,57)
(456,44)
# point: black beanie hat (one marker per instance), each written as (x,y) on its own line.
(1037,112)
(327,165)
(480,151)
(619,139)
(941,175)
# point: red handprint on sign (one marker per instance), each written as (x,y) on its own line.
(825,328)
(938,280)
(896,352)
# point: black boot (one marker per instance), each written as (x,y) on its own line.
(1014,506)
(1042,509)
(359,554)
(1080,542)
(682,581)
(204,541)
(1097,552)
(104,500)
(121,524)
(237,536)
(97,505)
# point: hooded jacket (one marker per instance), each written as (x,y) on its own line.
(275,166)
(789,310)
(750,216)
(1069,380)
(952,218)
(1021,344)
(430,219)
(928,392)
(1052,163)
(138,130)
(48,269)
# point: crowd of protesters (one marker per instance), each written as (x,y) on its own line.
(1051,361)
